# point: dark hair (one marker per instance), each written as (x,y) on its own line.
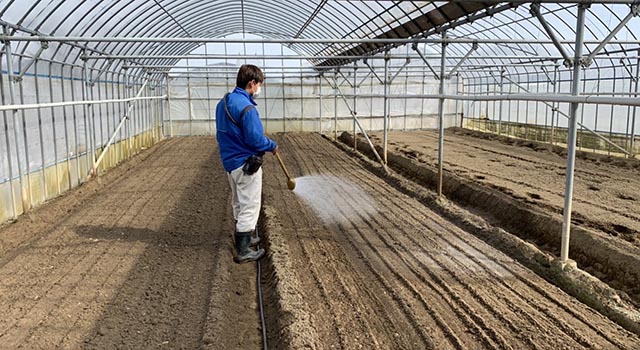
(247,73)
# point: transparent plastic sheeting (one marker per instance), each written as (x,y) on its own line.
(38,124)
(603,118)
(296,107)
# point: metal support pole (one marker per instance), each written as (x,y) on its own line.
(474,47)
(501,103)
(8,148)
(43,46)
(443,58)
(320,103)
(301,100)
(43,164)
(284,102)
(635,11)
(24,183)
(355,99)
(573,126)
(424,59)
(632,152)
(169,108)
(554,108)
(373,71)
(362,130)
(89,122)
(386,108)
(335,105)
(190,103)
(535,10)
(462,105)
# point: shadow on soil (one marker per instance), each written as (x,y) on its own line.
(164,300)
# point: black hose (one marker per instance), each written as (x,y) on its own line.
(260,304)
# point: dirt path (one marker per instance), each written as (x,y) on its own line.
(606,197)
(142,261)
(405,278)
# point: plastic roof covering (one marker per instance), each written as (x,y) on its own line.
(518,23)
(296,19)
(204,18)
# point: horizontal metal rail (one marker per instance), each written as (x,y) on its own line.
(75,103)
(202,40)
(622,101)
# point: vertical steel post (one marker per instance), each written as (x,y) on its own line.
(455,111)
(8,146)
(335,105)
(43,164)
(633,118)
(573,126)
(284,107)
(189,104)
(406,92)
(264,94)
(355,101)
(422,100)
(169,107)
(301,99)
(24,183)
(385,82)
(320,100)
(501,104)
(89,122)
(25,137)
(554,106)
(74,114)
(462,106)
(66,132)
(443,58)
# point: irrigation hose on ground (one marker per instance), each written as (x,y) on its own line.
(260,303)
(291,183)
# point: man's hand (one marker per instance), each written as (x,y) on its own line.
(275,150)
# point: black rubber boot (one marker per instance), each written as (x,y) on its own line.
(254,240)
(243,252)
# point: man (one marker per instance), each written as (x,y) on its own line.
(242,144)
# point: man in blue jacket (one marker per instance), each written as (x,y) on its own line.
(242,144)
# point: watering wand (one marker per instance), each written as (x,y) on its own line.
(291,183)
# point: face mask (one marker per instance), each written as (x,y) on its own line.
(257,93)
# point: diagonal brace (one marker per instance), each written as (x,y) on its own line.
(415,48)
(345,79)
(629,69)
(373,71)
(102,71)
(399,70)
(43,46)
(473,48)
(362,130)
(635,11)
(535,11)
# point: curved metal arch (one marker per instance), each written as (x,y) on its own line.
(204,19)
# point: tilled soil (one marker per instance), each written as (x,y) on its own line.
(405,278)
(138,259)
(606,190)
(520,185)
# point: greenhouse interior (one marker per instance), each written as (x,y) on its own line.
(448,174)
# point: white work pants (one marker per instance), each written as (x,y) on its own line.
(246,198)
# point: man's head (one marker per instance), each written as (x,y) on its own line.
(250,78)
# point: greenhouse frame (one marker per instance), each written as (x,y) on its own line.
(87,85)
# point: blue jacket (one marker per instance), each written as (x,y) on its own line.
(235,144)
